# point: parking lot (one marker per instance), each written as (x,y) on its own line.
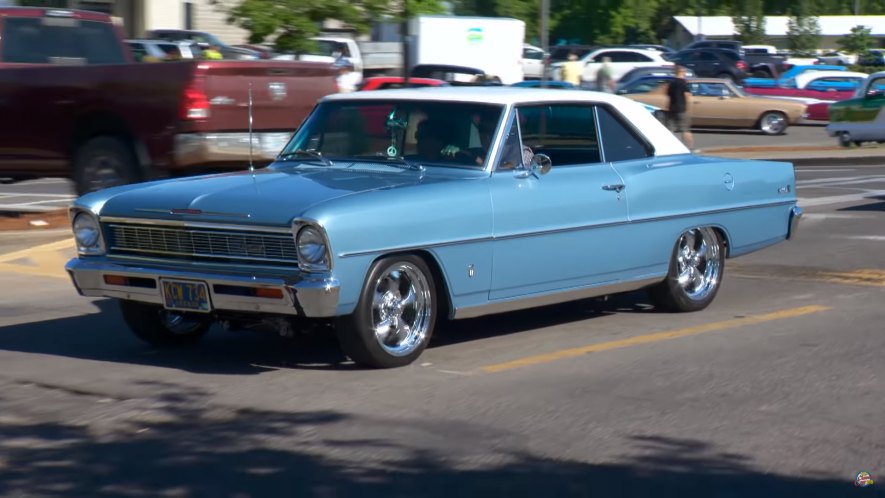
(775,390)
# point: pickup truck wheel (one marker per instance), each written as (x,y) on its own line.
(161,327)
(773,123)
(104,162)
(696,268)
(395,315)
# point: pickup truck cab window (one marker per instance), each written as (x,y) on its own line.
(42,40)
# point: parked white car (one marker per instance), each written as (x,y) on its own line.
(532,62)
(837,58)
(622,60)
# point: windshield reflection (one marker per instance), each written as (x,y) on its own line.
(429,133)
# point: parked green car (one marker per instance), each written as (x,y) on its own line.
(860,119)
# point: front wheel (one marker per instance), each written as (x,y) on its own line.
(845,139)
(696,268)
(773,123)
(160,327)
(104,162)
(395,315)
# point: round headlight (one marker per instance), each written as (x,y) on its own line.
(311,247)
(86,231)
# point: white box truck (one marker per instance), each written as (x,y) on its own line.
(493,44)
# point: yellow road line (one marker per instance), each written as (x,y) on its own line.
(24,253)
(656,337)
(874,278)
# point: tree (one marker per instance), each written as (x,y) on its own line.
(750,25)
(803,30)
(291,23)
(858,41)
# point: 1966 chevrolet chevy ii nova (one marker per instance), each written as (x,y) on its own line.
(388,211)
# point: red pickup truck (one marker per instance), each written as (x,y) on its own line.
(75,104)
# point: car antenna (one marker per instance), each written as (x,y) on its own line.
(251,166)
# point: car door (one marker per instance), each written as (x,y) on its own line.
(555,232)
(715,104)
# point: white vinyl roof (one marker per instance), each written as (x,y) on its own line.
(777,25)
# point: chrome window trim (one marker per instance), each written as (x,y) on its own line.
(558,230)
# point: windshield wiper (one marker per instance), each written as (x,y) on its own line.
(307,152)
(400,161)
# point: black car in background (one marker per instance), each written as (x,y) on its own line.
(204,40)
(641,72)
(718,44)
(713,63)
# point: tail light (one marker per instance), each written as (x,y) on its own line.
(194,102)
(742,66)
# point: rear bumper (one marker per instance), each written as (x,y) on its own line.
(205,148)
(795,218)
(302,295)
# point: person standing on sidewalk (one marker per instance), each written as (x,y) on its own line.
(679,98)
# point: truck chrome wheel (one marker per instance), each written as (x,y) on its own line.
(395,315)
(696,268)
(401,309)
(698,263)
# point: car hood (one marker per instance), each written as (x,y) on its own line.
(264,197)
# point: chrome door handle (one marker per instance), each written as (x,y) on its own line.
(617,187)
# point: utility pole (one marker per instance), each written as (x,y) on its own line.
(857,7)
(404,28)
(545,42)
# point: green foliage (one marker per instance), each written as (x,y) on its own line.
(750,24)
(866,69)
(858,41)
(290,23)
(803,33)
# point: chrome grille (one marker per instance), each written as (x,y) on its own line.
(201,244)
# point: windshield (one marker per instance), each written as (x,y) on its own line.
(429,133)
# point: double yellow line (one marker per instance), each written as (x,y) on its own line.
(656,337)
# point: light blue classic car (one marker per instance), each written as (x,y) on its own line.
(388,211)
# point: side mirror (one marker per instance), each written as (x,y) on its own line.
(541,163)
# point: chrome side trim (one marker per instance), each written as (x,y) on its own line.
(557,230)
(195,224)
(519,303)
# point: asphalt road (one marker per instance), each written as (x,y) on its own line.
(775,390)
(52,193)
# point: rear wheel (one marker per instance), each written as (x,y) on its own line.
(104,162)
(773,123)
(160,327)
(696,268)
(395,315)
(844,139)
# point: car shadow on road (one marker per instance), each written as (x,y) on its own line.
(176,443)
(875,206)
(103,336)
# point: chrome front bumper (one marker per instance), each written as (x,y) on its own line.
(306,296)
(204,148)
(795,218)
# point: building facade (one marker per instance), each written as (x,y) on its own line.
(832,28)
(140,16)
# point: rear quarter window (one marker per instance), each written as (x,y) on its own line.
(48,40)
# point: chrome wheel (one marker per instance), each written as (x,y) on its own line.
(160,327)
(698,263)
(401,309)
(773,123)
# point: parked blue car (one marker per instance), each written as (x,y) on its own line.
(388,211)
(788,78)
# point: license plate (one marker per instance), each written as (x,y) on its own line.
(186,295)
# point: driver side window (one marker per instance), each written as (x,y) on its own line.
(565,132)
